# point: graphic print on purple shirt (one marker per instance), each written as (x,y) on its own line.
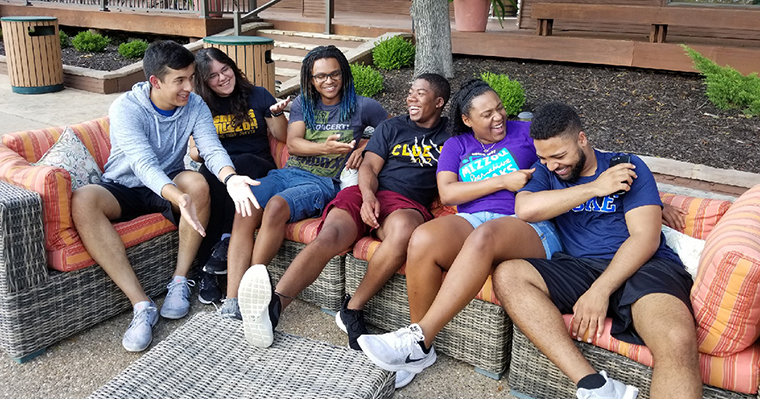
(465,156)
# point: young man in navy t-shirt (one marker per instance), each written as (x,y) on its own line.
(615,264)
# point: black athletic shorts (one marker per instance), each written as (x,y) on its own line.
(568,278)
(138,201)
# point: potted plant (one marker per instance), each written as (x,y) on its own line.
(472,15)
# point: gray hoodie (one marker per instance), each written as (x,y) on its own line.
(146,146)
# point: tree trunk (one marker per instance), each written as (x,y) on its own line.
(433,32)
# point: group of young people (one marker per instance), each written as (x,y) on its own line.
(558,227)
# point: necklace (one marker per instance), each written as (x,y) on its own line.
(487,151)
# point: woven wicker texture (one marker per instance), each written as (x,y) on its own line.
(326,291)
(533,374)
(38,306)
(481,334)
(208,357)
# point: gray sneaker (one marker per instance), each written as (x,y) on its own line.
(612,389)
(230,309)
(177,302)
(139,334)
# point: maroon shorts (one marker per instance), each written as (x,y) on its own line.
(350,200)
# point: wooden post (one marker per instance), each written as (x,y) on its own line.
(658,33)
(329,15)
(104,5)
(236,23)
(204,8)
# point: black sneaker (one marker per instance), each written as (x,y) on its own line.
(217,262)
(351,322)
(209,291)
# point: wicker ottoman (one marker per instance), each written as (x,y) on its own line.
(328,289)
(208,357)
(481,334)
(533,376)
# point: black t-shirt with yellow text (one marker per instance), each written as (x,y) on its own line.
(250,137)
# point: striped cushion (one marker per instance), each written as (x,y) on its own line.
(304,231)
(726,292)
(739,372)
(132,232)
(279,151)
(702,215)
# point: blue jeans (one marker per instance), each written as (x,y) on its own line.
(306,193)
(545,230)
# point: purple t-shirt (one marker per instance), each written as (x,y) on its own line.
(473,161)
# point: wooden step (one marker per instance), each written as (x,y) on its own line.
(313,35)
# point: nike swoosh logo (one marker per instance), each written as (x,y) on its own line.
(410,360)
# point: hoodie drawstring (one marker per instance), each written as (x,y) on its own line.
(158,131)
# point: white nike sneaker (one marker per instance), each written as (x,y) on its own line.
(612,389)
(399,350)
(403,378)
(254,295)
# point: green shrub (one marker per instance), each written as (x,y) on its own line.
(88,42)
(133,49)
(726,87)
(510,92)
(393,53)
(64,38)
(367,81)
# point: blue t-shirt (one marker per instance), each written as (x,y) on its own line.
(598,228)
(411,156)
(327,120)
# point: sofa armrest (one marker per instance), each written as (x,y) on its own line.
(22,250)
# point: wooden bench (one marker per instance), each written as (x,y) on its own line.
(658,17)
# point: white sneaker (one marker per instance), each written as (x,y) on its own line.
(254,295)
(398,350)
(403,378)
(612,389)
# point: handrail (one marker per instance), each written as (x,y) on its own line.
(238,20)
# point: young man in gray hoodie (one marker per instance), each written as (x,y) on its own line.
(150,129)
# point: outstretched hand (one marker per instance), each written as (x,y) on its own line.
(189,214)
(333,146)
(239,189)
(279,106)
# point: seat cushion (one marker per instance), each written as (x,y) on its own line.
(703,213)
(303,231)
(739,372)
(726,292)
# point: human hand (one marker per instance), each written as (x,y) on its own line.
(279,106)
(674,216)
(333,146)
(518,179)
(239,189)
(189,214)
(589,313)
(617,178)
(370,211)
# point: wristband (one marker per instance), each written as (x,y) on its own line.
(226,179)
(276,114)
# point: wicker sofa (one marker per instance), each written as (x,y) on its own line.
(49,288)
(732,233)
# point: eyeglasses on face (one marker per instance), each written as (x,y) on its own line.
(322,77)
(226,70)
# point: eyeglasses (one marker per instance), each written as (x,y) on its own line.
(215,76)
(322,77)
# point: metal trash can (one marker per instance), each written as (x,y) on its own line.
(33,53)
(252,54)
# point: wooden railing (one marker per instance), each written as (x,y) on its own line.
(203,7)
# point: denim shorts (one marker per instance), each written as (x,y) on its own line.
(545,230)
(306,193)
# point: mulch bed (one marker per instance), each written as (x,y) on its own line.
(646,112)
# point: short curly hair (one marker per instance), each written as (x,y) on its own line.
(555,119)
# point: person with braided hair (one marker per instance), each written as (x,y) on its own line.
(326,123)
(482,165)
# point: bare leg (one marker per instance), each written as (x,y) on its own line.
(241,248)
(667,327)
(525,297)
(492,242)
(92,208)
(395,232)
(193,184)
(337,234)
(272,231)
(427,259)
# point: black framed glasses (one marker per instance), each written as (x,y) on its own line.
(322,77)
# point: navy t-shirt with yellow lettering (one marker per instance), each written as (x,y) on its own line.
(411,157)
(250,137)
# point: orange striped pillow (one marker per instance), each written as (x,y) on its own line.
(33,144)
(703,213)
(726,292)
